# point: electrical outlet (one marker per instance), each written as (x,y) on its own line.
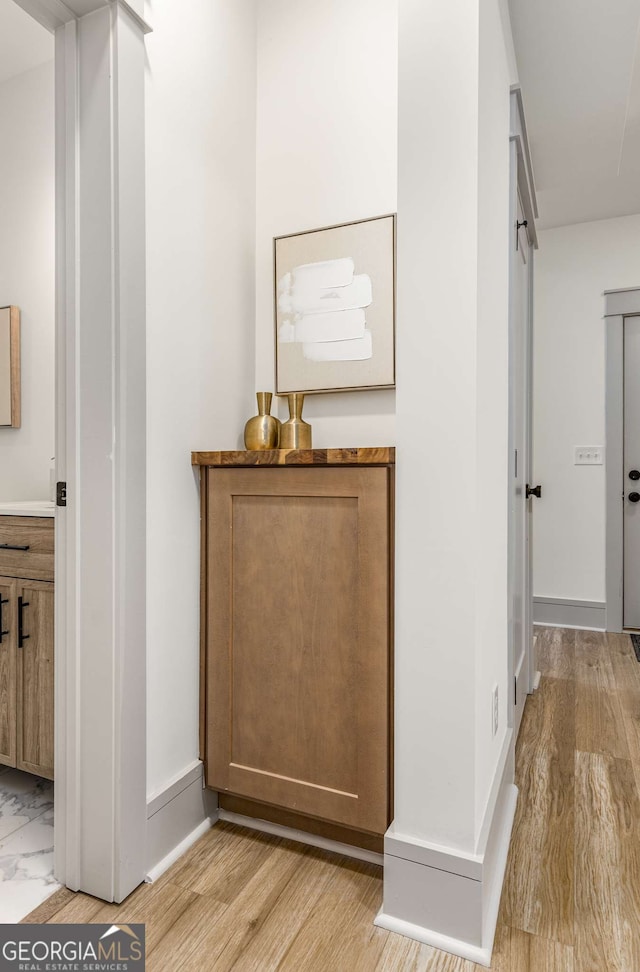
(588,456)
(495,711)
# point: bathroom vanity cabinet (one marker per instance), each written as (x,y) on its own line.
(26,643)
(296,637)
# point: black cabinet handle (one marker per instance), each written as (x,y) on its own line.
(22,637)
(3,600)
(13,546)
(534,491)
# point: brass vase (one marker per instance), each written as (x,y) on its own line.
(263,430)
(295,434)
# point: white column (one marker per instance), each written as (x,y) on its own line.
(101,746)
(443,855)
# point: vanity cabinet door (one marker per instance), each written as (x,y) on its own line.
(297,634)
(35,685)
(8,641)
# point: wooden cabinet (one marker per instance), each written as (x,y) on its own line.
(8,677)
(26,645)
(297,633)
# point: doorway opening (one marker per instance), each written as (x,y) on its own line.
(523,243)
(622,323)
(99,741)
(27,448)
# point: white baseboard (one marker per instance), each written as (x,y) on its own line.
(477,954)
(176,816)
(302,837)
(445,898)
(163,865)
(564,612)
(504,773)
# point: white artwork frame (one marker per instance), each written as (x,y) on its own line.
(334,307)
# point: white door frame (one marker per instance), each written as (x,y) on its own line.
(618,305)
(521,187)
(100,748)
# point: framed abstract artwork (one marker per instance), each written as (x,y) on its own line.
(335,307)
(10,367)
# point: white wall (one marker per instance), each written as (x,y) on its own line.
(492,495)
(200,322)
(27,271)
(573,267)
(451,581)
(338,162)
(326,153)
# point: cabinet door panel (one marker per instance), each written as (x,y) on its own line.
(36,679)
(298,640)
(8,671)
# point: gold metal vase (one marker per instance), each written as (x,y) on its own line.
(295,433)
(263,430)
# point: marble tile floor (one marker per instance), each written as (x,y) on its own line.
(26,843)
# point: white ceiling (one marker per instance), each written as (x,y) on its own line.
(579,68)
(24,44)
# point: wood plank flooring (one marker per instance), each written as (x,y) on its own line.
(571,901)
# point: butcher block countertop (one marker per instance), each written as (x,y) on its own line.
(381,456)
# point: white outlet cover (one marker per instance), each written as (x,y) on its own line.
(588,456)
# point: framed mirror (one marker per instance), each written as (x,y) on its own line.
(10,367)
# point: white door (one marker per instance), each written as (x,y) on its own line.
(520,473)
(631,472)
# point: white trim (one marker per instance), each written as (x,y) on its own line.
(67,715)
(521,188)
(55,13)
(51,14)
(618,305)
(158,870)
(100,744)
(614,432)
(141,23)
(511,573)
(622,303)
(100,758)
(564,612)
(496,857)
(175,813)
(525,181)
(519,128)
(505,773)
(448,908)
(301,837)
(157,800)
(473,953)
(428,854)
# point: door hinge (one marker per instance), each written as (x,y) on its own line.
(515,689)
(61,494)
(518,226)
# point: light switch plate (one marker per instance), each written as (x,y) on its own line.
(589,456)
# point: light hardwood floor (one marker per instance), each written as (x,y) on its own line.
(571,902)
